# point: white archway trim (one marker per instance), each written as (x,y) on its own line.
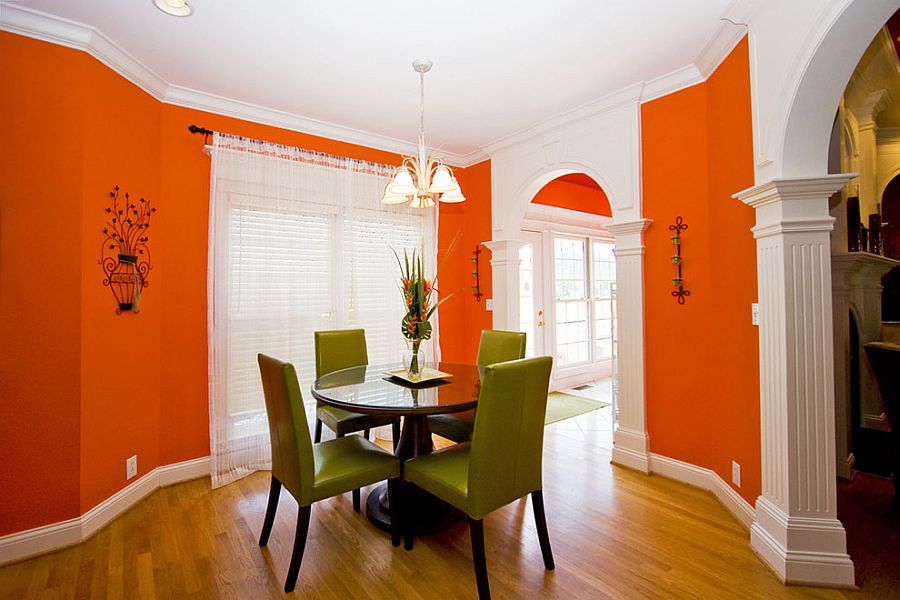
(601,140)
(796,530)
(801,58)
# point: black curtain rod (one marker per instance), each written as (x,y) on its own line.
(203,130)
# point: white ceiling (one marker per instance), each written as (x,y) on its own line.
(500,65)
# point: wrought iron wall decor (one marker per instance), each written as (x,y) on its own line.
(678,280)
(124,255)
(476,289)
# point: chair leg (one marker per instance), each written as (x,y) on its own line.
(356,491)
(366,433)
(395,433)
(271,507)
(409,521)
(394,493)
(299,546)
(476,530)
(540,521)
(318,436)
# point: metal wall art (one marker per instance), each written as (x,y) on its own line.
(678,280)
(476,289)
(124,255)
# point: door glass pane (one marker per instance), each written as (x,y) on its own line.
(526,296)
(603,269)
(572,325)
(569,261)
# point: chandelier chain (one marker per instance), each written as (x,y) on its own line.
(422,104)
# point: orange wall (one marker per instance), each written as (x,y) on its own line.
(40,282)
(125,384)
(572,196)
(702,370)
(120,354)
(471,222)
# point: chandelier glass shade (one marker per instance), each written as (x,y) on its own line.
(421,180)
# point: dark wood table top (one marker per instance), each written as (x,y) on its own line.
(370,390)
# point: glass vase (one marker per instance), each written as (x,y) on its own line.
(414,359)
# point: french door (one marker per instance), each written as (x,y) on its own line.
(567,281)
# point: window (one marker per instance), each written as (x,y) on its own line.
(572,324)
(299,271)
(585,274)
(604,281)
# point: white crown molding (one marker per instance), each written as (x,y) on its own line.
(31,23)
(630,95)
(56,30)
(733,28)
(56,536)
(670,83)
(188,98)
(17,19)
(706,479)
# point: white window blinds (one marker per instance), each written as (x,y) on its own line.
(299,242)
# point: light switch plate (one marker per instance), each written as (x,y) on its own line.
(754,313)
(489,304)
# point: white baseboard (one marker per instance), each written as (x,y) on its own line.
(56,536)
(630,449)
(706,479)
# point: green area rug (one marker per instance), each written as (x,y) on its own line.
(562,406)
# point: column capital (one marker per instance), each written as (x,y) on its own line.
(797,205)
(629,235)
(504,250)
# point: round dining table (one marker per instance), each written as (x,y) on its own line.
(372,390)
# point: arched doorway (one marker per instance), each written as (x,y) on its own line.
(567,280)
(796,528)
(603,143)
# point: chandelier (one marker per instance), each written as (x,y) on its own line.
(422,179)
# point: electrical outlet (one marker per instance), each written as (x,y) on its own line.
(754,313)
(131,467)
(735,474)
(489,304)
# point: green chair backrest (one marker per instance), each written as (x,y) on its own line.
(292,455)
(508,440)
(340,349)
(500,346)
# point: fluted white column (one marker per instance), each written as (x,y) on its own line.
(630,440)
(796,530)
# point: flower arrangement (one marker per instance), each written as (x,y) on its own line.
(418,299)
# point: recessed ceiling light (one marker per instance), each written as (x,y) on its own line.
(177,8)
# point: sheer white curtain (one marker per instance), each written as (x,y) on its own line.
(298,241)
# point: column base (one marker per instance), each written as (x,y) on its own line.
(802,550)
(630,449)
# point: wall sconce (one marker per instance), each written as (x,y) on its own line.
(124,255)
(476,289)
(678,280)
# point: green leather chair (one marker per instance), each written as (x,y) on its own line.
(343,349)
(502,462)
(312,472)
(495,346)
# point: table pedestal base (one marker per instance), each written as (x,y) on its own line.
(431,514)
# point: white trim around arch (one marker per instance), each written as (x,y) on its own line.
(605,145)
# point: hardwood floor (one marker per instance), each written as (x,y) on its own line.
(615,534)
